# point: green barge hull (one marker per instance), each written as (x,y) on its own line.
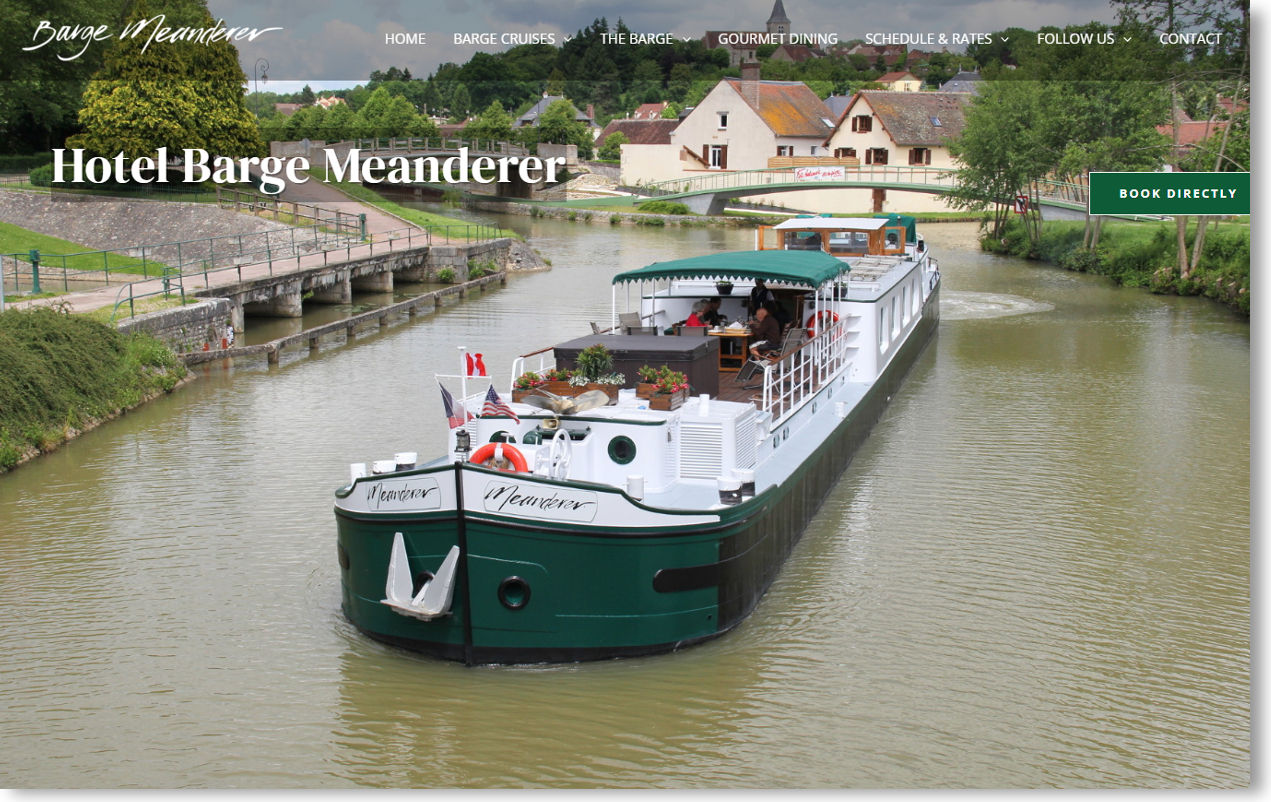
(532,592)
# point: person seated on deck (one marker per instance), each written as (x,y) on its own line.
(766,331)
(712,315)
(695,317)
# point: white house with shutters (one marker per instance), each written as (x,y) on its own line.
(739,125)
(900,128)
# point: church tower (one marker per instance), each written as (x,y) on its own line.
(778,22)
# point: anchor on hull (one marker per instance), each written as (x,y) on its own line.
(433,599)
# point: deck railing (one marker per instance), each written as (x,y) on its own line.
(796,376)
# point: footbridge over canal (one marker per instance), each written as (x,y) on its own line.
(334,282)
(708,193)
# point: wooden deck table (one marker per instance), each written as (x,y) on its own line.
(732,362)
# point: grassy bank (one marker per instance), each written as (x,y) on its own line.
(1143,255)
(62,373)
(15,239)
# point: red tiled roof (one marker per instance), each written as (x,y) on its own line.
(1193,132)
(789,108)
(649,111)
(641,132)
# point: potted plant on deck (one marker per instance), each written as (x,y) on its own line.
(593,370)
(663,388)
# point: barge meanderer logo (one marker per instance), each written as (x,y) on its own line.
(550,504)
(403,494)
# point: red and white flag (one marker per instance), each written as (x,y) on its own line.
(475,366)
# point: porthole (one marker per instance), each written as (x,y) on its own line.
(622,449)
(514,593)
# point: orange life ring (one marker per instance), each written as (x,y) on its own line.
(814,320)
(486,454)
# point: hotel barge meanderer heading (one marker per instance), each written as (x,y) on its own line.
(627,521)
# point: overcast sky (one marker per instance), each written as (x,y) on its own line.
(331,43)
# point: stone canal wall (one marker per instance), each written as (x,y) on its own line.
(186,328)
(202,325)
(348,327)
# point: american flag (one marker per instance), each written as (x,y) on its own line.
(495,406)
(456,415)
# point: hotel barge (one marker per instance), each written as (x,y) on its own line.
(561,533)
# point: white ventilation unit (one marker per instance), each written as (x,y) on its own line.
(717,442)
(701,449)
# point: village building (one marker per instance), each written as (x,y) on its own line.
(749,124)
(906,128)
(650,111)
(742,123)
(902,81)
(964,81)
(640,132)
(796,54)
(328,102)
(530,117)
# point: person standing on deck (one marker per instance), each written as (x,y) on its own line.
(760,296)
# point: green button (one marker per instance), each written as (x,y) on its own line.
(1169,193)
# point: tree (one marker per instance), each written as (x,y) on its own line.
(306,96)
(460,102)
(1003,150)
(399,118)
(1107,126)
(611,150)
(338,124)
(1226,67)
(557,124)
(493,124)
(39,91)
(307,123)
(170,94)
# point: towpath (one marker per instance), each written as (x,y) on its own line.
(387,232)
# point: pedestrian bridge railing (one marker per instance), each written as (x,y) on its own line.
(937,180)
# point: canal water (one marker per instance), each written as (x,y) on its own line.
(1036,573)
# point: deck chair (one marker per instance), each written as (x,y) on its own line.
(628,321)
(595,328)
(693,331)
(793,339)
(748,372)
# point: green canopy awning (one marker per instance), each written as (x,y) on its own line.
(810,268)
